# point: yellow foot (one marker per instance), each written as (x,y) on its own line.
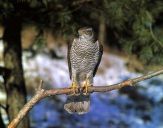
(85,86)
(74,86)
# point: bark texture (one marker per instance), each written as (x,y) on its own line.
(14,81)
(102,30)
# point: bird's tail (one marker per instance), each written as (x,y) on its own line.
(77,104)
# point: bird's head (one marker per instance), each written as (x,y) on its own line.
(86,33)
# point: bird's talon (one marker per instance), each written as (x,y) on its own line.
(86,85)
(74,88)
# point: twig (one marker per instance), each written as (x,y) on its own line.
(41,93)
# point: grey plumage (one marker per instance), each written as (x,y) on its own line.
(77,104)
(84,56)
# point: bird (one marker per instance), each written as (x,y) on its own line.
(84,56)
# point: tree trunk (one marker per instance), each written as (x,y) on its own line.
(102,30)
(14,81)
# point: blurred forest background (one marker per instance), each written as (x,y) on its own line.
(33,41)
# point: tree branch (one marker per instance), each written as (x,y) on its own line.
(41,93)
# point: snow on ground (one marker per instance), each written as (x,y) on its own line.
(55,72)
(114,109)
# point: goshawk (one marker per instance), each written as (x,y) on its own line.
(84,56)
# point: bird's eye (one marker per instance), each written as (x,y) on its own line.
(88,32)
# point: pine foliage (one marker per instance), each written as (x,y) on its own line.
(139,25)
(136,26)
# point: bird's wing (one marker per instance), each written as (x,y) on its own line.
(99,57)
(68,57)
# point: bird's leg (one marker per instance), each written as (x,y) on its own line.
(74,84)
(74,87)
(86,85)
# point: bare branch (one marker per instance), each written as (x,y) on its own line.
(41,93)
(129,82)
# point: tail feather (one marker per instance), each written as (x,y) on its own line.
(77,104)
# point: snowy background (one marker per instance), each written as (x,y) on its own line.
(140,106)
